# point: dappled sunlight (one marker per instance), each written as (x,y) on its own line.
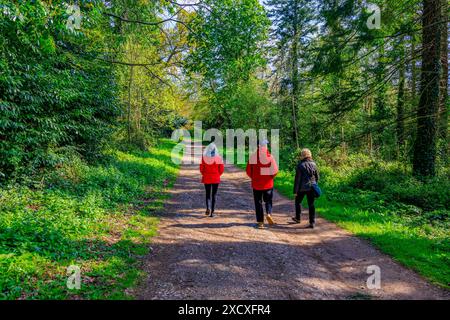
(218,256)
(111,110)
(99,221)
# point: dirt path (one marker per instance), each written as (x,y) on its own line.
(197,257)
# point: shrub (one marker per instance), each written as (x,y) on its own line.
(91,216)
(50,99)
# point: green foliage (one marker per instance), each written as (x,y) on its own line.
(100,218)
(226,50)
(379,201)
(391,216)
(390,181)
(339,84)
(147,59)
(50,98)
(398,185)
(226,40)
(333,85)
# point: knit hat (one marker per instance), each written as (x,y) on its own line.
(263,143)
(211,150)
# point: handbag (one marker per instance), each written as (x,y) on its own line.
(314,186)
(316,190)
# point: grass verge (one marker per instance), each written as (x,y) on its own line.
(418,241)
(98,218)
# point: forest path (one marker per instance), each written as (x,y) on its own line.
(225,257)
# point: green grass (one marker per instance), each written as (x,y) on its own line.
(404,218)
(100,218)
(417,239)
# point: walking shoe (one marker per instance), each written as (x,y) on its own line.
(212,214)
(260,225)
(310,226)
(208,212)
(269,219)
(295,220)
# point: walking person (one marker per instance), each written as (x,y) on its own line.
(306,178)
(262,169)
(211,168)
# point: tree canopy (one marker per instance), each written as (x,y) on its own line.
(132,71)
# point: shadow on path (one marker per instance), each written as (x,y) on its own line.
(225,257)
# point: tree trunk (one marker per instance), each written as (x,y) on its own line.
(413,70)
(369,134)
(294,118)
(424,162)
(129,103)
(295,74)
(381,112)
(443,110)
(401,102)
(343,143)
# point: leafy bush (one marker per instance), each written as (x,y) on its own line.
(431,195)
(50,98)
(395,184)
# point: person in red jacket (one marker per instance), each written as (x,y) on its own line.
(211,169)
(262,169)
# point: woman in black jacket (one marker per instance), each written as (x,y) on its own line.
(306,174)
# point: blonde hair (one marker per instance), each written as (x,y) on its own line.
(306,153)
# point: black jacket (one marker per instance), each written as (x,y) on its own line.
(306,174)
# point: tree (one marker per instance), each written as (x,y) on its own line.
(443,101)
(424,162)
(226,50)
(291,28)
(55,95)
(401,101)
(146,54)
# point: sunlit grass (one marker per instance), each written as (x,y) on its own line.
(94,217)
(409,238)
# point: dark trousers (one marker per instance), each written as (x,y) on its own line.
(211,192)
(298,205)
(260,196)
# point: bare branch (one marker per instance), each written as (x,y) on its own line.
(147,23)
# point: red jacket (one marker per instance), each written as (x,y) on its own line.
(262,169)
(211,169)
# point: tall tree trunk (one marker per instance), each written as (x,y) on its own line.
(129,103)
(424,162)
(401,102)
(343,143)
(443,109)
(294,118)
(381,112)
(413,70)
(369,107)
(295,73)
